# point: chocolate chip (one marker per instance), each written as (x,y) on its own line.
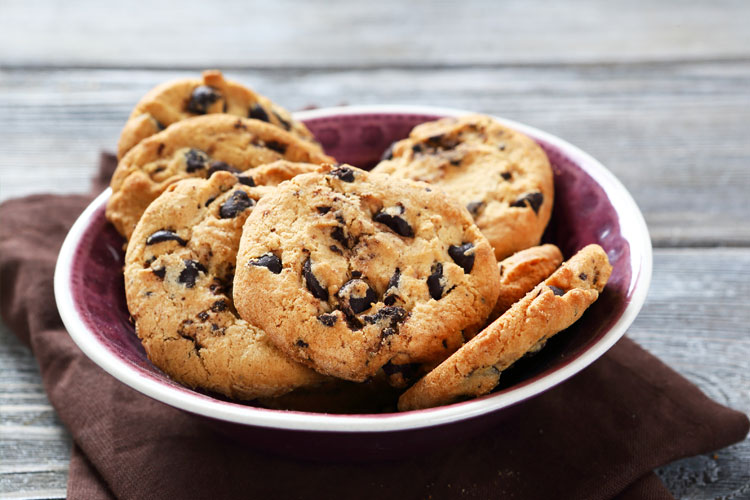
(188,275)
(533,200)
(417,148)
(164,235)
(506,175)
(582,276)
(328,319)
(390,316)
(269,261)
(474,207)
(203,315)
(557,291)
(257,112)
(434,284)
(195,159)
(246,180)
(391,217)
(238,202)
(356,274)
(279,147)
(390,295)
(217,166)
(336,249)
(160,272)
(356,296)
(302,343)
(462,255)
(323,210)
(346,174)
(312,282)
(284,123)
(159,124)
(219,305)
(202,98)
(388,153)
(209,201)
(337,233)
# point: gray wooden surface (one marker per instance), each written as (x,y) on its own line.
(659,92)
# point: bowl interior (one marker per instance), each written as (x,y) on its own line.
(583,213)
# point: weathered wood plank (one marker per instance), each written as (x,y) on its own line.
(675,134)
(363,33)
(695,319)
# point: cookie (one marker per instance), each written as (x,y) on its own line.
(177,100)
(348,270)
(550,307)
(197,147)
(521,272)
(502,176)
(178,282)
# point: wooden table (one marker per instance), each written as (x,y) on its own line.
(660,93)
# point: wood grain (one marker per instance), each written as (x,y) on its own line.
(695,319)
(363,34)
(674,134)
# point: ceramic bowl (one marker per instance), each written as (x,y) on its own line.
(591,206)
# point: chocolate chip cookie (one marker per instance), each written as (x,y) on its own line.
(550,307)
(521,272)
(177,100)
(197,147)
(502,176)
(348,270)
(178,281)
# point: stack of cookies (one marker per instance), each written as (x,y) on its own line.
(260,269)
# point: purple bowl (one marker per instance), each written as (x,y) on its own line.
(591,206)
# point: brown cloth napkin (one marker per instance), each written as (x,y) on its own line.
(598,435)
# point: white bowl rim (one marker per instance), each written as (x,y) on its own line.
(632,226)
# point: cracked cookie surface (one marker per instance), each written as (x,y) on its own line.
(197,147)
(550,307)
(177,100)
(348,270)
(502,176)
(178,282)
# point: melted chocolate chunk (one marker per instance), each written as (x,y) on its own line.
(317,290)
(474,207)
(246,180)
(462,255)
(277,146)
(164,235)
(390,292)
(302,343)
(217,166)
(346,174)
(557,291)
(160,272)
(328,319)
(202,98)
(391,218)
(533,200)
(434,284)
(284,123)
(390,316)
(238,202)
(219,305)
(257,112)
(356,296)
(269,261)
(388,153)
(188,275)
(195,159)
